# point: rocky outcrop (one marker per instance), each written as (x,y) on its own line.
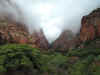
(18,33)
(90,28)
(65,41)
(39,39)
(13,33)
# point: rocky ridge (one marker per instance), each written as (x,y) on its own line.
(89,31)
(17,33)
(90,28)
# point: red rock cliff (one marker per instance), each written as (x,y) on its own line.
(90,26)
(65,41)
(18,33)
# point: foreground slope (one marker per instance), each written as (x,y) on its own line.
(24,60)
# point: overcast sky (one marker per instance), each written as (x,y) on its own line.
(53,16)
(57,15)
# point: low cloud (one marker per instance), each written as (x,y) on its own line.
(53,16)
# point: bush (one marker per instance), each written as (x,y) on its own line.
(81,67)
(53,63)
(23,58)
(15,56)
(27,59)
(84,52)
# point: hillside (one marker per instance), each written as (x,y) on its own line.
(22,53)
(90,29)
(24,60)
(12,32)
(66,41)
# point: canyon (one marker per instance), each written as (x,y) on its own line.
(12,32)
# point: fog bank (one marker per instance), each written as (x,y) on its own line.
(53,16)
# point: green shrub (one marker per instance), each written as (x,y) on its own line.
(13,56)
(84,52)
(81,67)
(28,59)
(94,69)
(53,63)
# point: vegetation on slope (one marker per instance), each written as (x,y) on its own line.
(25,60)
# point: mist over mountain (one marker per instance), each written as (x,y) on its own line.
(53,16)
(49,37)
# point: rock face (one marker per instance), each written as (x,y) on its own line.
(17,33)
(40,40)
(90,28)
(13,33)
(65,41)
